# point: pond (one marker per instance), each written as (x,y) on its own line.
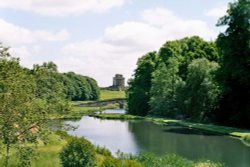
(136,136)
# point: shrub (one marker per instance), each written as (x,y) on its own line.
(103,151)
(151,160)
(111,162)
(78,152)
(118,162)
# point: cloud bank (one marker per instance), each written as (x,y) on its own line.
(13,34)
(118,49)
(61,7)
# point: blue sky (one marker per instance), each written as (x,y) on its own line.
(100,38)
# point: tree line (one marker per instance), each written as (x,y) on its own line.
(196,80)
(28,96)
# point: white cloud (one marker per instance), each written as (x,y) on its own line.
(25,54)
(216,12)
(159,16)
(61,7)
(13,34)
(120,46)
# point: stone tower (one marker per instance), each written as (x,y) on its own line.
(118,82)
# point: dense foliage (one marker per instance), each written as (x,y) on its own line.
(65,85)
(22,112)
(198,80)
(78,152)
(28,96)
(160,78)
(234,75)
(139,87)
(201,92)
(78,87)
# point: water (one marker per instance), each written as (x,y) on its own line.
(111,111)
(136,136)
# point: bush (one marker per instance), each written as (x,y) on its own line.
(64,135)
(111,162)
(151,160)
(103,151)
(78,153)
(118,162)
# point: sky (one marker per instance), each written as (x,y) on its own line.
(100,38)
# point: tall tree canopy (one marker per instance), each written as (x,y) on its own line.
(163,92)
(27,96)
(78,87)
(22,112)
(139,87)
(234,75)
(199,96)
(159,77)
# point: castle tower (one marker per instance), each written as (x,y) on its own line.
(118,82)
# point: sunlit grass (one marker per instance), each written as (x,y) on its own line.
(45,155)
(117,116)
(107,94)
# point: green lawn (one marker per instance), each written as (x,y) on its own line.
(78,112)
(46,155)
(108,94)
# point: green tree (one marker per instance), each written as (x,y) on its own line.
(22,114)
(138,93)
(78,87)
(50,87)
(234,74)
(165,84)
(186,50)
(94,89)
(200,95)
(176,55)
(78,152)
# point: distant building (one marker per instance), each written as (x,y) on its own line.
(118,82)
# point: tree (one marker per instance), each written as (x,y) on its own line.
(21,112)
(176,55)
(78,152)
(234,74)
(201,92)
(78,87)
(50,88)
(94,89)
(186,50)
(139,87)
(165,84)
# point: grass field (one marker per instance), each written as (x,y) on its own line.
(78,112)
(107,94)
(46,155)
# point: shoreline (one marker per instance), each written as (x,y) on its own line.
(241,134)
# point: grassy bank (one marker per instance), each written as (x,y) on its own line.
(48,155)
(45,155)
(117,116)
(241,134)
(108,94)
(77,112)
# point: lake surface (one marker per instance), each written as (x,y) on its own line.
(111,111)
(136,136)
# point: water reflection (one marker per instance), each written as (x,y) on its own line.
(112,111)
(111,134)
(195,145)
(136,136)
